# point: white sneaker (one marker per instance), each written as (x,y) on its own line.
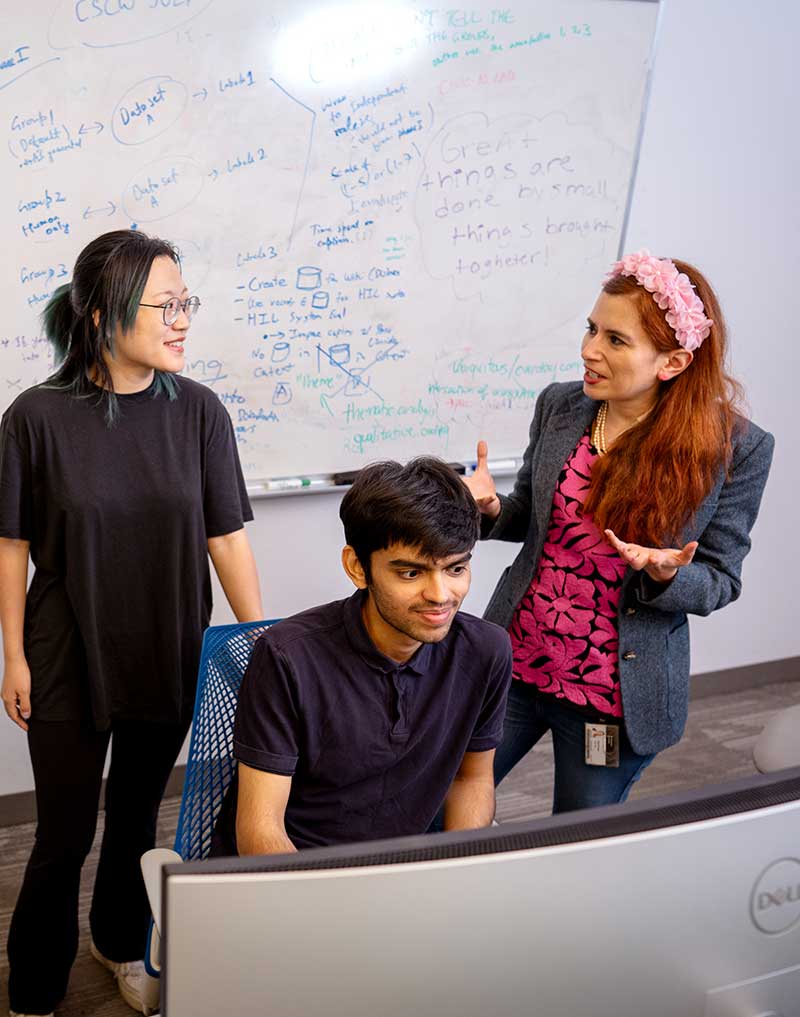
(129,975)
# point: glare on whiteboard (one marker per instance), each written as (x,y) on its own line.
(345,43)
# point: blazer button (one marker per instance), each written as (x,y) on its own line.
(629,611)
(630,655)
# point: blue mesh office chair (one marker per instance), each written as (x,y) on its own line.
(209,768)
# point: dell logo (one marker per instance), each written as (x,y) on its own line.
(785,895)
(775,897)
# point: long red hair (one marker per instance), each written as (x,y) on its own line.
(650,485)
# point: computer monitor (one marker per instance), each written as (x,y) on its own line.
(680,906)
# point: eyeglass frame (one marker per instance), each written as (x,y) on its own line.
(182,305)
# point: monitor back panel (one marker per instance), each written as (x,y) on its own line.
(702,919)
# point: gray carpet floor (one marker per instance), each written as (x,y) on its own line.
(716,747)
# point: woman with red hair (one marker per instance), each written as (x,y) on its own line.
(634,503)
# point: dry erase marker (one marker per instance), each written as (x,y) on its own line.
(294,483)
(499,464)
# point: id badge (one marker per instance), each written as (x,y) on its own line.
(601,744)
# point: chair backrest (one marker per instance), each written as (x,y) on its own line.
(211,766)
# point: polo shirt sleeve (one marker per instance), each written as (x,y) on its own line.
(16,502)
(226,507)
(488,731)
(265,730)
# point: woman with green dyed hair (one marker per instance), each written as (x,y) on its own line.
(118,479)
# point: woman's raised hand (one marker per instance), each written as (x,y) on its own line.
(481,484)
(661,564)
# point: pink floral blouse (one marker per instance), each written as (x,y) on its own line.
(564,631)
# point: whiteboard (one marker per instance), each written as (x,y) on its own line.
(396,217)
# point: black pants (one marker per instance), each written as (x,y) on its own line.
(68,759)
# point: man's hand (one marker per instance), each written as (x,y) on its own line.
(469,804)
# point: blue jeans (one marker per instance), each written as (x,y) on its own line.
(529,715)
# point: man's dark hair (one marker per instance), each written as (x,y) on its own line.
(423,504)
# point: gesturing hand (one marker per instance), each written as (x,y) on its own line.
(481,485)
(661,564)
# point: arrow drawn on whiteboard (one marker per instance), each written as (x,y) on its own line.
(308,156)
(83,129)
(202,94)
(323,401)
(109,208)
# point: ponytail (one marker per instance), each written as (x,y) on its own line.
(58,320)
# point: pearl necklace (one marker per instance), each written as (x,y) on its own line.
(599,433)
(599,429)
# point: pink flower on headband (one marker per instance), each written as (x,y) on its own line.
(672,291)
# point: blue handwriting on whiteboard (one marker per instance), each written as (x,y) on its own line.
(45,200)
(18,56)
(36,147)
(263,253)
(237,162)
(243,78)
(34,275)
(151,186)
(85,10)
(45,227)
(260,414)
(209,372)
(142,106)
(22,123)
(254,284)
(226,398)
(376,97)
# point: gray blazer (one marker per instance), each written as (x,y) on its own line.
(653,628)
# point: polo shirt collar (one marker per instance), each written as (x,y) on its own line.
(362,644)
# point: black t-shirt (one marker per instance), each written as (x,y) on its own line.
(372,746)
(117,518)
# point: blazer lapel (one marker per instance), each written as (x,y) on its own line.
(560,436)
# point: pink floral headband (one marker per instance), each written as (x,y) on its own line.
(672,291)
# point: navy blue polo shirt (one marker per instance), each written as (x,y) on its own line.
(372,746)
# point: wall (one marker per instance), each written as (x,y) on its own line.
(714,188)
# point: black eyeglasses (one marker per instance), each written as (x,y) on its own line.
(173,308)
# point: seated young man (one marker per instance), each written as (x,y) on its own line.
(358,719)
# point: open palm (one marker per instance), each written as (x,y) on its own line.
(661,564)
